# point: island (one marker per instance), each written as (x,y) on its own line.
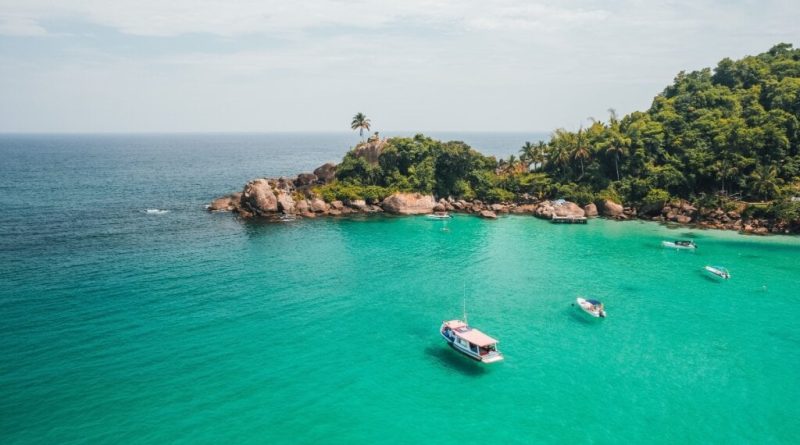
(716,149)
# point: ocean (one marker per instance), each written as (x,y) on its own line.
(130,315)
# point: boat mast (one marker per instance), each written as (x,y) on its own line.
(465,304)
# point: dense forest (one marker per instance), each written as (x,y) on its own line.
(713,137)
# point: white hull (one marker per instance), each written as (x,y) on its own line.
(463,347)
(589,308)
(724,274)
(672,245)
(435,216)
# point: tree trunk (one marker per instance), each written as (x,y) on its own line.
(616,164)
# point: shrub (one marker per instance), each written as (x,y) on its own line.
(579,194)
(351,192)
(654,201)
(463,190)
(498,194)
(610,194)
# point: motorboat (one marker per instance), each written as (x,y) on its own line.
(592,307)
(439,215)
(470,341)
(718,271)
(679,244)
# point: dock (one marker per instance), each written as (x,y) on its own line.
(568,219)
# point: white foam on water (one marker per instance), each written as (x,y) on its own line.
(156,211)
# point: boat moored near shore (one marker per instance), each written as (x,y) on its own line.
(680,244)
(439,215)
(470,341)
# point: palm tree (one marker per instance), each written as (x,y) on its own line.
(764,181)
(579,150)
(541,154)
(616,149)
(528,154)
(360,122)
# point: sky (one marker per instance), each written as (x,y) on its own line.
(409,65)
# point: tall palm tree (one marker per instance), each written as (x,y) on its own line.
(540,155)
(616,149)
(360,122)
(764,181)
(528,154)
(580,151)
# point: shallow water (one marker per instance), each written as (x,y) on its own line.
(128,326)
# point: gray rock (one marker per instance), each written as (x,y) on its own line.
(325,173)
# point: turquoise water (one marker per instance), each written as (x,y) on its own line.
(121,326)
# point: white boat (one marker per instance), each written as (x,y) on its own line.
(718,271)
(591,307)
(439,215)
(679,244)
(470,341)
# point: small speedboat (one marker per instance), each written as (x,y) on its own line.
(679,244)
(718,271)
(439,215)
(591,307)
(470,341)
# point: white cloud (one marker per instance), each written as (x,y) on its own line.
(228,18)
(414,64)
(20,26)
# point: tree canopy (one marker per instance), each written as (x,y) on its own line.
(732,132)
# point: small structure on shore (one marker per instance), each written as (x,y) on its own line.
(569,219)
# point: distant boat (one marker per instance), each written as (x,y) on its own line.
(592,307)
(470,341)
(439,215)
(718,271)
(679,244)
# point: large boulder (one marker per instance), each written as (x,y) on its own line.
(590,209)
(569,209)
(302,207)
(370,150)
(226,203)
(318,205)
(358,204)
(325,173)
(259,198)
(286,203)
(546,209)
(612,209)
(408,203)
(305,179)
(488,214)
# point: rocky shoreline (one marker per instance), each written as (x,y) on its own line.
(279,198)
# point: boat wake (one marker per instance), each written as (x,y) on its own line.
(156,211)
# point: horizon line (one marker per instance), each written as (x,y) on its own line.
(257,132)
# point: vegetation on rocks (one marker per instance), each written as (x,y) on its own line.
(713,136)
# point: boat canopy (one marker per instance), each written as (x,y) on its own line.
(594,302)
(475,337)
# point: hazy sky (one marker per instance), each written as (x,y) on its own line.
(263,65)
